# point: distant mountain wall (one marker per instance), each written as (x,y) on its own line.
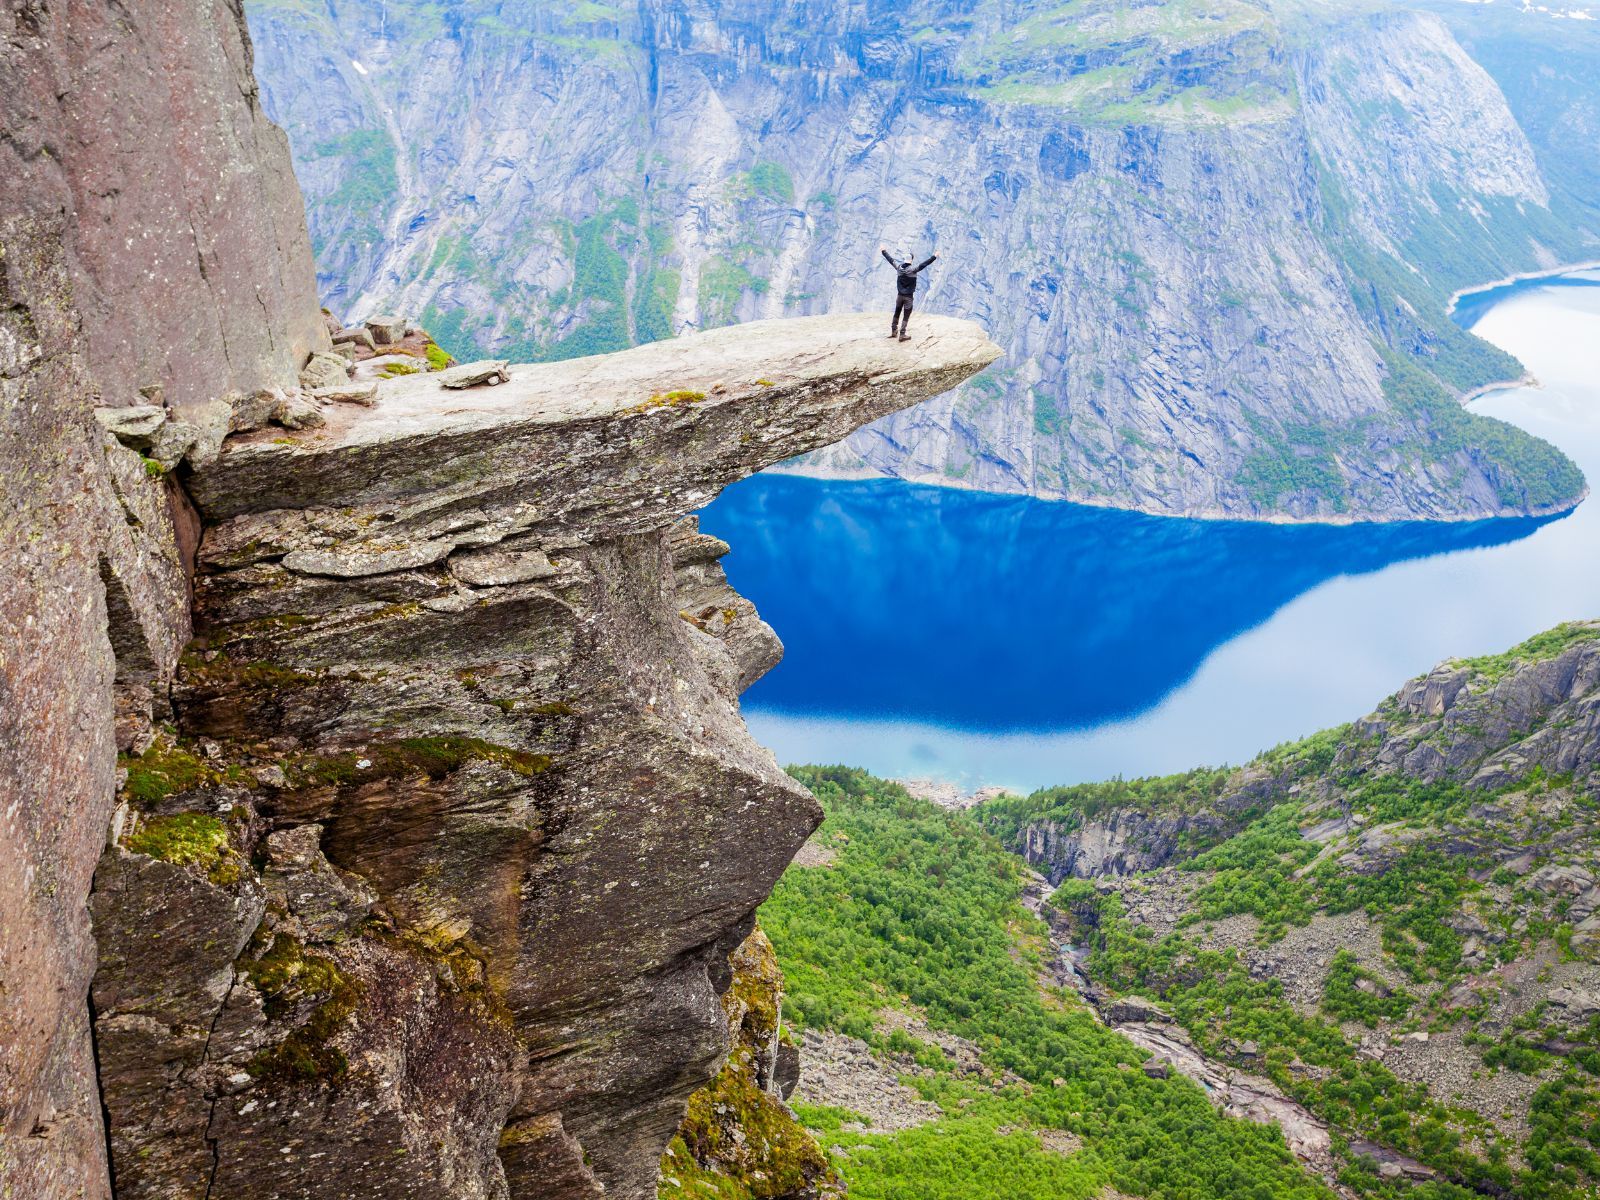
(1216,246)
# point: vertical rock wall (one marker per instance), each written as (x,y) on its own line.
(150,237)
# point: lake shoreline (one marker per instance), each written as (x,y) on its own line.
(1478,289)
(1335,520)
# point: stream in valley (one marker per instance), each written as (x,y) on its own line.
(1000,640)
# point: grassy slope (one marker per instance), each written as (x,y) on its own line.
(921,907)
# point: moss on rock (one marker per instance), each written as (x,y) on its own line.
(189,840)
(434,757)
(289,978)
(738,1141)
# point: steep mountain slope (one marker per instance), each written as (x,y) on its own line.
(1391,928)
(1216,241)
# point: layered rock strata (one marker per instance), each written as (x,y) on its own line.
(435,875)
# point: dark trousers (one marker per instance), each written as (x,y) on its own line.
(902,315)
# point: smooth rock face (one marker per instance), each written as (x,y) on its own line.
(1197,235)
(473,704)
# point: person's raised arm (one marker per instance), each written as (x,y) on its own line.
(927,262)
(884,250)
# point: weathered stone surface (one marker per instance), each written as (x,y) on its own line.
(707,602)
(473,728)
(325,371)
(386,330)
(350,393)
(737,1126)
(151,243)
(296,412)
(473,374)
(494,568)
(133,425)
(576,443)
(358,334)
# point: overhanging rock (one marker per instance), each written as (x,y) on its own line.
(463,650)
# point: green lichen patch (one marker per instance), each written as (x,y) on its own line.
(390,370)
(189,840)
(676,399)
(289,977)
(435,757)
(164,770)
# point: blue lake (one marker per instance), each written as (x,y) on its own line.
(1000,640)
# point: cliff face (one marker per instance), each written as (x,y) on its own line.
(1198,237)
(141,247)
(1409,901)
(419,867)
(457,823)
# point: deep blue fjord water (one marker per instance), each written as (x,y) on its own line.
(1001,640)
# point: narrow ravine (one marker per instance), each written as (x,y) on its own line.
(1236,1092)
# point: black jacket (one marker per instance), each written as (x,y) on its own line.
(906,281)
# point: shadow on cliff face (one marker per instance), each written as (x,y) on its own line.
(1002,613)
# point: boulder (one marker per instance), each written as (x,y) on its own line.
(346,351)
(171,442)
(472,374)
(357,335)
(132,425)
(296,412)
(255,410)
(1156,1069)
(386,330)
(324,370)
(1136,1008)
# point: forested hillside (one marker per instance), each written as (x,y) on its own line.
(1383,938)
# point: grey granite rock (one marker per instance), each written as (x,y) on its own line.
(475,374)
(325,370)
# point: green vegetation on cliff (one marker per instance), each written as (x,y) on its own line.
(921,907)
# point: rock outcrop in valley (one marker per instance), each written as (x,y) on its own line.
(1407,904)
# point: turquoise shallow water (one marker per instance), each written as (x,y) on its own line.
(999,640)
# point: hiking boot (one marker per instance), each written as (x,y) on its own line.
(905,337)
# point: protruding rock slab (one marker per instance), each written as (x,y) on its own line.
(631,440)
(500,677)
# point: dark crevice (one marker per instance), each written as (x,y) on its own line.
(100,1095)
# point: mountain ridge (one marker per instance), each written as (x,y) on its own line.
(1203,314)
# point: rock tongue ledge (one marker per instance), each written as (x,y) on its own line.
(464,650)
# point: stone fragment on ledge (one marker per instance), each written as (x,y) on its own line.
(324,370)
(386,330)
(473,374)
(132,425)
(349,393)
